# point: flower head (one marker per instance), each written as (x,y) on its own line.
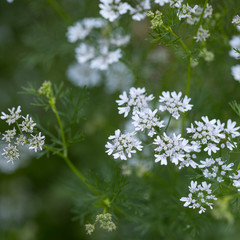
(13,116)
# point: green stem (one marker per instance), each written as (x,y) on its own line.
(64,155)
(65,152)
(169,120)
(178,38)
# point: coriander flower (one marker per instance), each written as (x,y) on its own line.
(137,101)
(14,115)
(27,125)
(122,145)
(200,197)
(207,134)
(174,103)
(112,9)
(215,168)
(36,142)
(147,120)
(81,29)
(140,11)
(84,52)
(106,58)
(21,140)
(11,153)
(105,220)
(9,135)
(202,35)
(171,148)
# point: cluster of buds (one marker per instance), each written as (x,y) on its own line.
(105,221)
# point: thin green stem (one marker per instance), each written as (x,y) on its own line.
(65,152)
(169,120)
(178,38)
(189,73)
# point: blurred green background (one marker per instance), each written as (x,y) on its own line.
(37,198)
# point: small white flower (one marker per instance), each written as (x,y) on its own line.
(81,29)
(27,125)
(21,140)
(10,153)
(14,115)
(84,53)
(9,135)
(137,101)
(161,2)
(202,34)
(123,145)
(199,197)
(36,142)
(147,120)
(174,103)
(140,11)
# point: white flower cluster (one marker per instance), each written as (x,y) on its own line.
(200,197)
(144,119)
(173,148)
(25,136)
(173,103)
(137,101)
(215,168)
(211,135)
(205,137)
(113,9)
(99,52)
(122,145)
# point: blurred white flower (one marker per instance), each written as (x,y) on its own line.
(235,44)
(82,75)
(236,72)
(202,34)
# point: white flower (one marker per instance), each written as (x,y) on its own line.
(112,9)
(174,103)
(21,140)
(235,44)
(202,34)
(81,29)
(36,142)
(147,120)
(176,3)
(14,115)
(208,11)
(199,197)
(106,58)
(122,145)
(27,125)
(231,129)
(9,135)
(215,168)
(137,101)
(120,40)
(208,133)
(173,148)
(236,72)
(82,75)
(11,153)
(84,53)
(140,11)
(236,20)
